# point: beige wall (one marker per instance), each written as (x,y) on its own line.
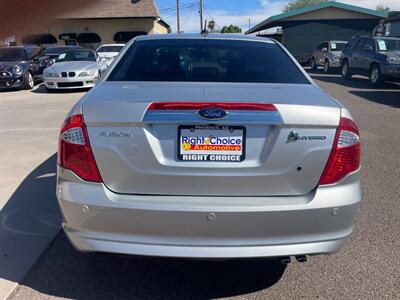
(105,28)
(159,29)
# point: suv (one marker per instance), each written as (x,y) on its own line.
(20,67)
(327,54)
(376,57)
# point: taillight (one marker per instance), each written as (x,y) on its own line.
(345,154)
(74,151)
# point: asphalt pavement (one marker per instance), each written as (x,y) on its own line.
(366,268)
(29,216)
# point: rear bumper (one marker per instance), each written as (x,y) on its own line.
(96,219)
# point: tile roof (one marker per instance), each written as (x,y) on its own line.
(114,9)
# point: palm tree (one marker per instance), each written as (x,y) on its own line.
(211,25)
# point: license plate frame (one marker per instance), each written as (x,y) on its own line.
(216,157)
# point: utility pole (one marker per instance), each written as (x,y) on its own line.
(201,14)
(178,21)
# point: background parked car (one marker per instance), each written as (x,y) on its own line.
(50,55)
(19,67)
(74,68)
(327,54)
(108,52)
(375,57)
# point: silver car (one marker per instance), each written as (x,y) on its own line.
(74,68)
(208,146)
(109,52)
(327,54)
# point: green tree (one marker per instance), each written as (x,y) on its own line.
(211,25)
(231,29)
(296,4)
(382,8)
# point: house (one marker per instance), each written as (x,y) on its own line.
(389,26)
(101,22)
(303,29)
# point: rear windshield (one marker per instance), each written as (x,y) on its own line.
(207,61)
(109,49)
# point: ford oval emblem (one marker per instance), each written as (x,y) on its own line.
(212,113)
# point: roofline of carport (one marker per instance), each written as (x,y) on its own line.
(108,18)
(156,18)
(278,19)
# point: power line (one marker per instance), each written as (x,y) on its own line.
(192,12)
(209,15)
(173,9)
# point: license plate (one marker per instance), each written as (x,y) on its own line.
(214,143)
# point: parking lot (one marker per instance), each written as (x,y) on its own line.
(366,268)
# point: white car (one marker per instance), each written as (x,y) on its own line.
(108,52)
(75,68)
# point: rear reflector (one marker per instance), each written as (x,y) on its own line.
(345,154)
(203,105)
(74,151)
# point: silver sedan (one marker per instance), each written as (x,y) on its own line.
(74,68)
(216,146)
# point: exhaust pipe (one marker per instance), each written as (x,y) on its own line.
(301,258)
(286,261)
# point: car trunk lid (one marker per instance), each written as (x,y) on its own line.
(138,150)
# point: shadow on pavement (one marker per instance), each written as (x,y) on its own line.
(8,90)
(64,272)
(356,82)
(390,98)
(29,221)
(40,89)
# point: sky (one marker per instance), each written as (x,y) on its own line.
(238,12)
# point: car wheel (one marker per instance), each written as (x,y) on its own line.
(313,64)
(29,83)
(326,66)
(375,75)
(346,74)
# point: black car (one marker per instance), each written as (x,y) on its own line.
(19,67)
(376,57)
(50,54)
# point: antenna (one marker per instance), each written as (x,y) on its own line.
(204,31)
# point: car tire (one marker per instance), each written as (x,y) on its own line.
(313,64)
(346,72)
(375,75)
(29,82)
(327,67)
